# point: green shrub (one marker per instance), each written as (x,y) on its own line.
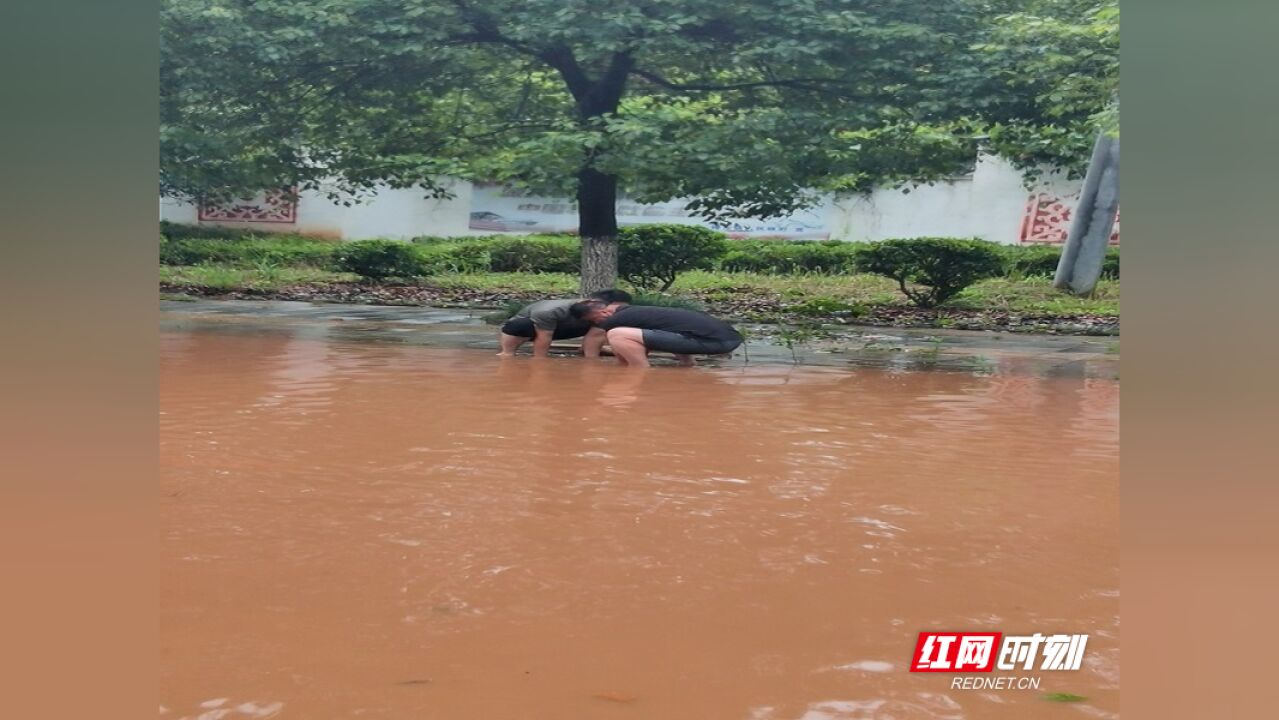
(1041,261)
(659,300)
(182,231)
(533,253)
(295,254)
(1110,266)
(1032,260)
(652,256)
(381,259)
(789,257)
(248,252)
(945,266)
(453,258)
(176,252)
(515,253)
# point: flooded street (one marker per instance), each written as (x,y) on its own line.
(372,530)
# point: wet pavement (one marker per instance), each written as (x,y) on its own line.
(848,346)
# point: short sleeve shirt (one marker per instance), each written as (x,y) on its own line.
(549,314)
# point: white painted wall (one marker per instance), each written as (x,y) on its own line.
(392,213)
(405,213)
(176,211)
(991,204)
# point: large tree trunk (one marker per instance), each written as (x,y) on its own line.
(597,225)
(596,191)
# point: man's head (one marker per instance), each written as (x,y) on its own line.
(593,311)
(611,295)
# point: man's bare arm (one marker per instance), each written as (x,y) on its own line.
(593,341)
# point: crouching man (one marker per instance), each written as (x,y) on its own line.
(548,320)
(633,331)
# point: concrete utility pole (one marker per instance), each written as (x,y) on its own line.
(1085,250)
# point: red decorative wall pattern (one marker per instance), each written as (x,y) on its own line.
(275,206)
(1047,220)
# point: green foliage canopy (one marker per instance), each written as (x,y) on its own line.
(749,106)
(1047,80)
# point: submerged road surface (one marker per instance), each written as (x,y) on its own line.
(375,530)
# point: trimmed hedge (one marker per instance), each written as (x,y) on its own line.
(660,300)
(461,258)
(179,231)
(782,257)
(437,255)
(247,252)
(194,245)
(650,257)
(1041,260)
(381,259)
(533,253)
(514,253)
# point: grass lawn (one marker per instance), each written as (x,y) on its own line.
(1027,295)
(227,277)
(1023,295)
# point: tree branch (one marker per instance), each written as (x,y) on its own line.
(562,60)
(486,30)
(799,83)
(608,91)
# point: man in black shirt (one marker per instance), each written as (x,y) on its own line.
(632,331)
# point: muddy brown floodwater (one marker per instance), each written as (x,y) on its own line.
(378,531)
